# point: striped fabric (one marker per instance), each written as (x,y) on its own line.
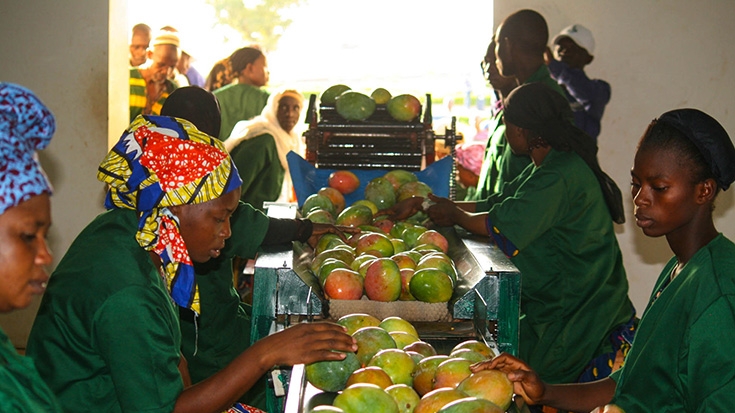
(138,98)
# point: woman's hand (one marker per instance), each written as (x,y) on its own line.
(526,382)
(307,343)
(404,209)
(443,212)
(319,229)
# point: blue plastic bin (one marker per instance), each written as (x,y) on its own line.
(307,179)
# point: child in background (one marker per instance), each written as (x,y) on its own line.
(681,359)
(573,50)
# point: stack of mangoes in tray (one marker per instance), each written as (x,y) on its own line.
(386,261)
(394,371)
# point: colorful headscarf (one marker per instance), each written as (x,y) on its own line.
(161,162)
(26,126)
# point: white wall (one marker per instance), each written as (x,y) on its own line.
(657,56)
(59,49)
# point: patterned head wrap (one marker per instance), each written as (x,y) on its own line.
(161,162)
(26,126)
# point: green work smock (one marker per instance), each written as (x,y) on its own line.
(21,388)
(500,165)
(260,169)
(238,102)
(106,337)
(574,291)
(682,359)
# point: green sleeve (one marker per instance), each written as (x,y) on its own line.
(536,206)
(138,339)
(249,227)
(522,169)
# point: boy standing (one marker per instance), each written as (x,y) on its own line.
(573,48)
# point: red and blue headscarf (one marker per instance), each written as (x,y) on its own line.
(161,162)
(26,126)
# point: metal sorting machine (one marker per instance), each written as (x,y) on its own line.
(379,142)
(485,306)
(486,301)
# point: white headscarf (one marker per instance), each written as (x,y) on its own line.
(267,122)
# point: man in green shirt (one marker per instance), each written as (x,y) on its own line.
(519,44)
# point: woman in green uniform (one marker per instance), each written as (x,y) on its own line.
(26,125)
(259,147)
(222,330)
(107,335)
(554,223)
(245,99)
(682,358)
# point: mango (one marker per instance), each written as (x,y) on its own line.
(332,375)
(355,105)
(404,108)
(329,96)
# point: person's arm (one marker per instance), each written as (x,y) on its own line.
(469,206)
(302,343)
(446,213)
(593,95)
(285,230)
(526,383)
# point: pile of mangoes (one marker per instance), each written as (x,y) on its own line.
(393,370)
(387,260)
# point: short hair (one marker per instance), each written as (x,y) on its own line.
(141,28)
(529,29)
(665,137)
(241,58)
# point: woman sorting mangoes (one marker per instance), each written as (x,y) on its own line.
(106,337)
(555,222)
(682,358)
(221,331)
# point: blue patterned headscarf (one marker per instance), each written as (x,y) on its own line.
(160,162)
(26,126)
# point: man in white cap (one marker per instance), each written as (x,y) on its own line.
(573,50)
(150,84)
